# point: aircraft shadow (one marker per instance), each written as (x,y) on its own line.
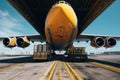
(105,62)
(27,59)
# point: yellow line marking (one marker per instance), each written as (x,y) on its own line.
(12,66)
(114,69)
(52,71)
(46,72)
(59,71)
(74,72)
(68,71)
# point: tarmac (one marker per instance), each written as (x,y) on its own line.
(24,68)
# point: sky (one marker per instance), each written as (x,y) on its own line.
(13,24)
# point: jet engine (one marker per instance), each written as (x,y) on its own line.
(22,42)
(98,42)
(109,42)
(9,42)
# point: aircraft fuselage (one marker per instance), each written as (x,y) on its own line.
(61,26)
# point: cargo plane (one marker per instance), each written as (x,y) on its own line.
(60,23)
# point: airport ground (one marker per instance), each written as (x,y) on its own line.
(98,67)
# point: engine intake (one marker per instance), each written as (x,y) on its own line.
(109,42)
(9,42)
(23,42)
(98,42)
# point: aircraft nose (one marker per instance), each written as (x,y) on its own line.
(69,12)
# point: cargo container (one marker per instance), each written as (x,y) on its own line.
(76,53)
(41,52)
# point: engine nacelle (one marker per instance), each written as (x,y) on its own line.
(9,42)
(97,42)
(109,42)
(22,42)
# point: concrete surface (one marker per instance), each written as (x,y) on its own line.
(32,70)
(91,72)
(113,60)
(109,58)
(29,71)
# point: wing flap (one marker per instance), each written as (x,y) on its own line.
(87,37)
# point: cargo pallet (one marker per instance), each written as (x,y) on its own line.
(41,52)
(76,53)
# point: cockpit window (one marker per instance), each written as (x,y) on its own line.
(63,2)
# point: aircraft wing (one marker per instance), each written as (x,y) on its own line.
(21,41)
(32,38)
(35,11)
(90,37)
(36,38)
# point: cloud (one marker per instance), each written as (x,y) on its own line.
(9,25)
(4,13)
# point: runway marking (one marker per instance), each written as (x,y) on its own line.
(74,72)
(70,71)
(52,71)
(114,69)
(59,71)
(12,66)
(47,71)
